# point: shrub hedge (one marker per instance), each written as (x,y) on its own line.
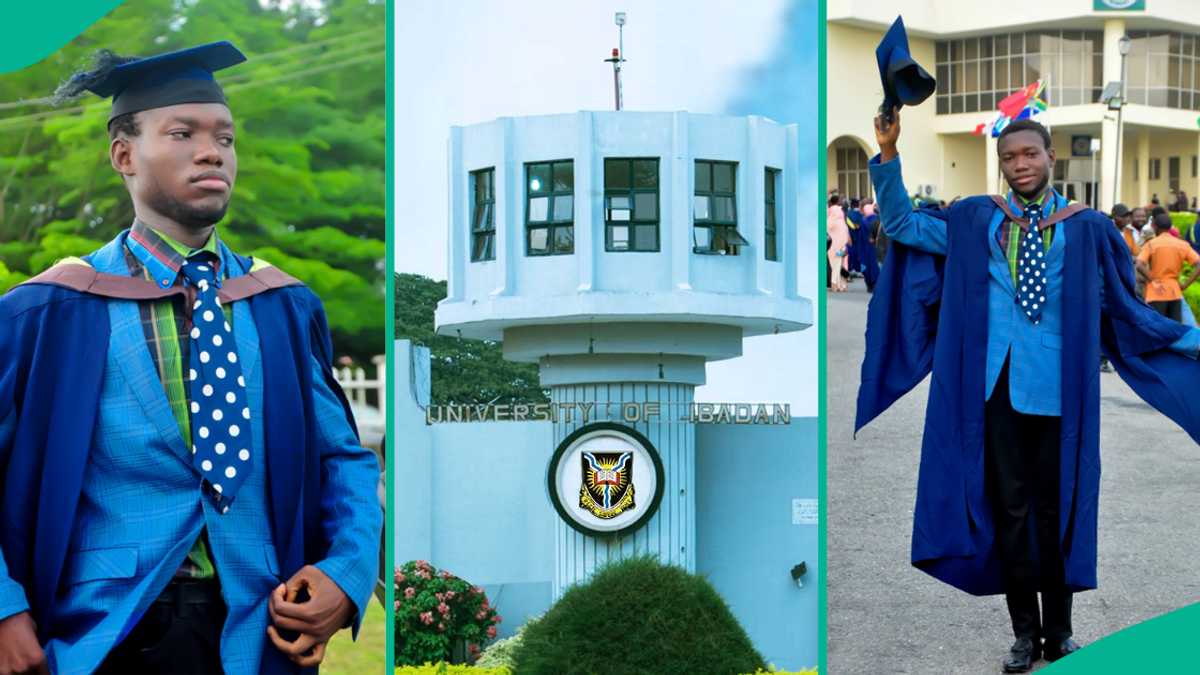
(638,616)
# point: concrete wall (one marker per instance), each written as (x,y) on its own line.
(471,498)
(964,167)
(853,96)
(924,17)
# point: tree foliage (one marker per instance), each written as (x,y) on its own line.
(309,107)
(463,371)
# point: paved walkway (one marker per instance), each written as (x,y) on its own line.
(887,617)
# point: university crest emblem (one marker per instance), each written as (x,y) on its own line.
(607,485)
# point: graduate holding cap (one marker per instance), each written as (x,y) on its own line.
(181,483)
(1010,301)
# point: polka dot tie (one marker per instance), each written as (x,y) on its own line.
(217,391)
(1031,267)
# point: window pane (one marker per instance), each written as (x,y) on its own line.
(539,209)
(645,206)
(480,181)
(645,237)
(700,207)
(956,78)
(539,178)
(770,218)
(702,237)
(943,79)
(489,251)
(771,254)
(645,173)
(769,185)
(483,220)
(971,49)
(539,240)
(722,178)
(564,240)
(564,176)
(618,215)
(943,105)
(943,52)
(479,247)
(1001,45)
(618,202)
(955,50)
(616,174)
(985,46)
(723,209)
(703,177)
(563,207)
(619,238)
(1016,43)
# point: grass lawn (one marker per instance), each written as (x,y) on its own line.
(364,657)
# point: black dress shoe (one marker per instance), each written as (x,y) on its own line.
(1055,652)
(1022,655)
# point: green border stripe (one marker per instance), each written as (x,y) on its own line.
(390,334)
(31,31)
(822,337)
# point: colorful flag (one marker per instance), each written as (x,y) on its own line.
(1021,104)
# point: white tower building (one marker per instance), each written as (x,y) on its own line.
(621,251)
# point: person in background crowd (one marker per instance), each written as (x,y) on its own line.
(835,227)
(1123,219)
(868,255)
(1161,259)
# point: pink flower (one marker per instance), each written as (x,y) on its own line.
(400,577)
(476,590)
(481,614)
(397,603)
(449,595)
(491,631)
(445,574)
(495,618)
(439,596)
(441,627)
(409,592)
(443,608)
(473,648)
(426,618)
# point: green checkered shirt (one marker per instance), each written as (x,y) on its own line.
(166,323)
(1012,235)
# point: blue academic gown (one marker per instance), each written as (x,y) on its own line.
(930,313)
(101,503)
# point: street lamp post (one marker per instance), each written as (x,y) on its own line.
(1123,45)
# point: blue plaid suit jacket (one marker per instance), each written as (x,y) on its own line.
(141,508)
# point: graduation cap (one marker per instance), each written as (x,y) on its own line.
(905,82)
(184,76)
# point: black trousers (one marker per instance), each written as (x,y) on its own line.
(1172,309)
(1021,454)
(179,634)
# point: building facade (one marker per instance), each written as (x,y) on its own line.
(979,57)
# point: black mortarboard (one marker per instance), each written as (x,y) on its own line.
(905,82)
(185,76)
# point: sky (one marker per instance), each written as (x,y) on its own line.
(472,61)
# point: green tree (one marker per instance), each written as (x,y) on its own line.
(463,371)
(309,106)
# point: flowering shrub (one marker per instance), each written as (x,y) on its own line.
(436,612)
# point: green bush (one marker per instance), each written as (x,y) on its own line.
(638,616)
(500,654)
(442,668)
(1183,221)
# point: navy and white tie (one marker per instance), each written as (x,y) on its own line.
(220,414)
(1031,267)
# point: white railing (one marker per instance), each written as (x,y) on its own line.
(362,390)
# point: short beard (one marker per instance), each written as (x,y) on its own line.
(188,216)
